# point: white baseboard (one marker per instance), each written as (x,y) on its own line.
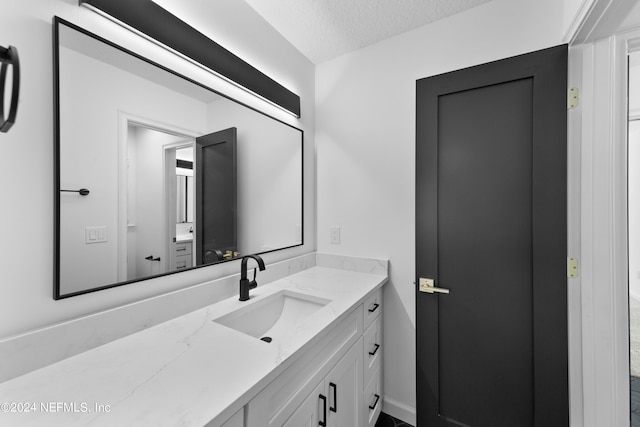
(399,410)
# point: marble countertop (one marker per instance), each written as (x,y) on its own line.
(188,371)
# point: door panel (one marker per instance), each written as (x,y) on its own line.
(491,228)
(216,198)
(484,212)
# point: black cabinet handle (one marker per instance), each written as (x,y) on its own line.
(375,350)
(375,403)
(335,398)
(374,307)
(323,422)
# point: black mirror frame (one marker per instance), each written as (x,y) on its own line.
(57,295)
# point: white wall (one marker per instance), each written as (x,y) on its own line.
(26,258)
(365,137)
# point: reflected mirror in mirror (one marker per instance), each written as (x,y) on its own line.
(179,176)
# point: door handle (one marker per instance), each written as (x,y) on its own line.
(428,286)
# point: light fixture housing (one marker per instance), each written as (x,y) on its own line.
(157,23)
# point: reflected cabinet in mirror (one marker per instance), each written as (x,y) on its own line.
(178,176)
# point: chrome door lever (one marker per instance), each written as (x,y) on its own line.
(428,286)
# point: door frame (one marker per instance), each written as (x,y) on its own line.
(124,120)
(598,209)
(170,182)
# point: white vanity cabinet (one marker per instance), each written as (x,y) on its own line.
(183,255)
(334,382)
(372,356)
(336,401)
(206,373)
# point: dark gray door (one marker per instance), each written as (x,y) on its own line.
(216,196)
(491,229)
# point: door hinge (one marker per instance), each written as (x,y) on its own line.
(572,98)
(572,268)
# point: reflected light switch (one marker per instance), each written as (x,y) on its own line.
(95,234)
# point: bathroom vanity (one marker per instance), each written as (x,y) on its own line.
(183,254)
(211,367)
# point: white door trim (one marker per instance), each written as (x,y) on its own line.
(124,120)
(604,274)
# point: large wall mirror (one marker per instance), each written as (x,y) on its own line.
(157,174)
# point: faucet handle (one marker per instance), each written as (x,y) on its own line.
(253,284)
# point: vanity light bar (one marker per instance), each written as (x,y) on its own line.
(176,36)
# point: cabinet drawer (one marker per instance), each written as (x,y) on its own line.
(372,307)
(183,262)
(278,400)
(183,248)
(372,350)
(372,404)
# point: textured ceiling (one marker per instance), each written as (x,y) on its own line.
(325,29)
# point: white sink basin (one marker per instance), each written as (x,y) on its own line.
(273,316)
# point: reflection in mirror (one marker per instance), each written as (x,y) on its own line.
(633,205)
(184,190)
(179,176)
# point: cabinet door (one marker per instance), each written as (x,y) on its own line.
(311,411)
(344,389)
(237,420)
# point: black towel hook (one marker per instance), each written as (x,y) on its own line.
(82,191)
(9,56)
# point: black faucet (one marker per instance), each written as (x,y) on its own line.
(246,284)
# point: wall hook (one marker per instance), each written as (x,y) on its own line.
(9,56)
(82,191)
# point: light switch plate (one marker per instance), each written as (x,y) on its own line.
(334,235)
(95,234)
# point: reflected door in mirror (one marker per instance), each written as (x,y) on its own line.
(216,200)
